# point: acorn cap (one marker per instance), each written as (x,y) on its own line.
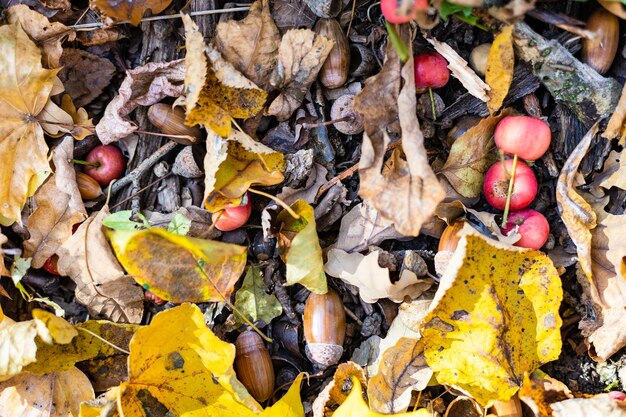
(185,165)
(344,107)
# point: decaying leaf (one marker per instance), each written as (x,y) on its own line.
(83,125)
(601,405)
(539,390)
(617,123)
(101,283)
(301,54)
(84,75)
(234,164)
(253,300)
(143,86)
(300,249)
(500,66)
(251,44)
(402,370)
(471,155)
(179,268)
(406,191)
(215,91)
(4,272)
(49,36)
(59,208)
(24,94)
(127,10)
(495,316)
(57,394)
(335,392)
(614,172)
(373,281)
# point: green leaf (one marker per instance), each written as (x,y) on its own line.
(253,299)
(121,220)
(448,9)
(179,225)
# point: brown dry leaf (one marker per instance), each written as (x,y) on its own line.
(57,394)
(512,10)
(83,125)
(600,405)
(101,283)
(402,370)
(59,207)
(614,171)
(471,155)
(84,75)
(4,272)
(128,10)
(500,66)
(472,82)
(334,392)
(251,44)
(143,86)
(362,227)
(617,122)
(48,36)
(406,191)
(301,54)
(539,390)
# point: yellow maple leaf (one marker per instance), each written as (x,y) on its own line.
(500,66)
(495,316)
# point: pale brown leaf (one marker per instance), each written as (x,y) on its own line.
(101,283)
(617,122)
(600,405)
(4,272)
(84,75)
(59,207)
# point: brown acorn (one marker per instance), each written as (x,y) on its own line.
(88,187)
(599,53)
(253,365)
(334,72)
(171,121)
(324,325)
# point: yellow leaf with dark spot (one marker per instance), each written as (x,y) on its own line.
(494,317)
(500,66)
(179,268)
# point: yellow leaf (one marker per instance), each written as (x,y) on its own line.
(500,66)
(216,91)
(300,249)
(83,125)
(495,316)
(23,95)
(177,364)
(355,406)
(179,268)
(539,390)
(61,331)
(290,405)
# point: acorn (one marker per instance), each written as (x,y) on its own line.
(334,72)
(88,187)
(253,365)
(171,121)
(324,325)
(599,53)
(478,58)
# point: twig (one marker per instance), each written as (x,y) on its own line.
(141,191)
(142,168)
(102,339)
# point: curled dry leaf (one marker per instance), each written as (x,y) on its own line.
(101,283)
(59,208)
(406,191)
(143,86)
(128,10)
(495,316)
(57,394)
(500,67)
(301,54)
(251,44)
(48,36)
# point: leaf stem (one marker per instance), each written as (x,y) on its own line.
(104,340)
(505,216)
(278,201)
(81,162)
(401,49)
(432,104)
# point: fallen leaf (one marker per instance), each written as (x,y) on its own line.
(614,171)
(24,94)
(251,44)
(59,208)
(290,405)
(495,316)
(471,155)
(299,247)
(333,393)
(406,191)
(179,268)
(215,91)
(83,125)
(538,391)
(308,193)
(355,406)
(253,300)
(178,365)
(128,10)
(143,86)
(402,370)
(4,272)
(500,66)
(617,123)
(101,283)
(373,281)
(57,394)
(600,405)
(301,55)
(233,165)
(48,36)
(84,75)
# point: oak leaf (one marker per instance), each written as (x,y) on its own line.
(215,91)
(101,283)
(495,316)
(179,268)
(500,66)
(614,171)
(251,44)
(253,300)
(128,10)
(59,208)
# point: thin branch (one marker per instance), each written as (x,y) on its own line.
(142,168)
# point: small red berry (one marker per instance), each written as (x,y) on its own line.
(431,70)
(153,298)
(532,227)
(232,218)
(526,136)
(496,185)
(617,395)
(395,13)
(111,164)
(51,265)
